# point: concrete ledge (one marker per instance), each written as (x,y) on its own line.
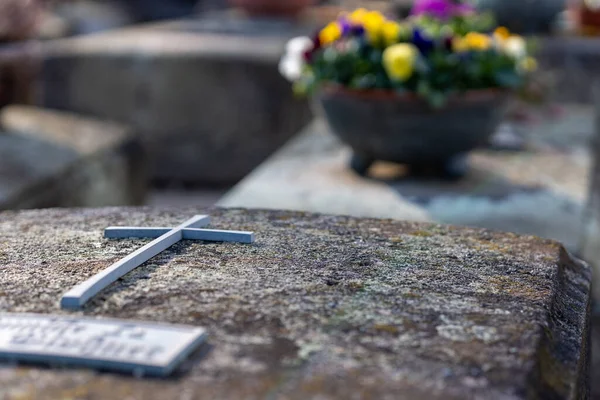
(541,190)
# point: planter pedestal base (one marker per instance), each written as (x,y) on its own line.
(453,168)
(361,163)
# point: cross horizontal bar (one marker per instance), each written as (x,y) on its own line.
(124,232)
(80,294)
(212,235)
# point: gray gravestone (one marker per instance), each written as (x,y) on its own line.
(165,79)
(320,307)
(116,345)
(56,159)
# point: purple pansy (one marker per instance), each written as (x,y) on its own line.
(358,30)
(422,41)
(350,29)
(447,43)
(345,26)
(308,54)
(442,9)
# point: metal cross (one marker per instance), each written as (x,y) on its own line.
(164,238)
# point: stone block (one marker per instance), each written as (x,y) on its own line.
(590,246)
(53,159)
(319,307)
(205,95)
(573,64)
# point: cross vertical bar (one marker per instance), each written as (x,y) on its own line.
(80,294)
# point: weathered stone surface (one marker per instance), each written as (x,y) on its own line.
(205,95)
(50,159)
(541,190)
(320,307)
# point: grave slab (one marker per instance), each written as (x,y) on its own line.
(541,190)
(205,94)
(53,159)
(319,307)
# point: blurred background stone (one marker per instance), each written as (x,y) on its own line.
(591,237)
(88,16)
(51,159)
(572,63)
(524,17)
(205,96)
(19,19)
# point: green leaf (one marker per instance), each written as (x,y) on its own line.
(423,88)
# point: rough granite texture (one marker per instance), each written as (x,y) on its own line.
(319,307)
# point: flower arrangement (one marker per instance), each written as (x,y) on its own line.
(443,48)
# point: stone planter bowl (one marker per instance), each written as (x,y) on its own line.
(281,8)
(381,125)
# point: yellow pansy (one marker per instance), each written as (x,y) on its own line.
(373,22)
(477,41)
(459,45)
(330,33)
(391,32)
(399,60)
(528,64)
(501,33)
(357,16)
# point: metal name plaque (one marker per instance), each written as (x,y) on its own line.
(106,344)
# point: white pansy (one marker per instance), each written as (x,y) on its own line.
(515,46)
(291,68)
(299,45)
(292,63)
